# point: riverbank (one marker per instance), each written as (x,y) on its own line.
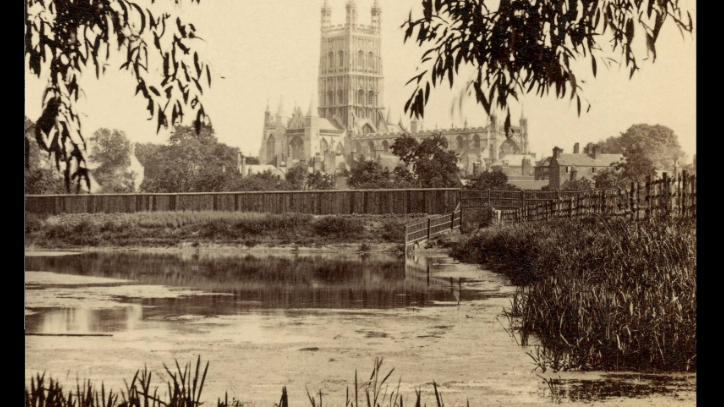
(604,294)
(217,231)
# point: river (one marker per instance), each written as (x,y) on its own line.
(304,321)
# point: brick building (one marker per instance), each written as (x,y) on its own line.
(563,167)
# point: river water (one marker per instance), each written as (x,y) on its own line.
(304,321)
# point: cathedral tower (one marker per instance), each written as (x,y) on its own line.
(350,71)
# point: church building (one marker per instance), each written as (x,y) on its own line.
(347,121)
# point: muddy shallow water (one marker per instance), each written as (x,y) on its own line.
(302,321)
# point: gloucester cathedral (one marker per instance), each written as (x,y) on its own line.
(349,120)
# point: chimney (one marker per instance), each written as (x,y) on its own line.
(557,152)
(574,173)
(589,149)
(243,166)
(476,169)
(576,148)
(595,152)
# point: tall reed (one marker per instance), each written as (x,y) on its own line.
(599,293)
(184,390)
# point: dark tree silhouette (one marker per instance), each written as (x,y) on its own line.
(67,38)
(526,45)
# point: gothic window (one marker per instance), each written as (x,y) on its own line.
(361,97)
(367,129)
(370,146)
(371,61)
(340,97)
(476,141)
(371,99)
(386,146)
(323,145)
(330,98)
(270,153)
(297,145)
(331,60)
(508,147)
(460,143)
(339,148)
(341,59)
(361,60)
(357,147)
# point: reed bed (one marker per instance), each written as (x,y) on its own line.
(121,229)
(599,293)
(183,388)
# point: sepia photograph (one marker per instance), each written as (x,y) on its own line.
(360,203)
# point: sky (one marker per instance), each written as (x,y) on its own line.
(263,50)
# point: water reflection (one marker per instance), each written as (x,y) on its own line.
(86,320)
(278,281)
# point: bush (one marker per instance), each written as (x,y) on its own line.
(33,223)
(338,226)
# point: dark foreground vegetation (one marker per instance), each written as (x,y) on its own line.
(171,228)
(184,386)
(599,293)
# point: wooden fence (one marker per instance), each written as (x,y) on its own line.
(433,226)
(674,197)
(383,201)
(503,199)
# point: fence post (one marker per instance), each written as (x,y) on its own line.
(406,231)
(428,228)
(685,195)
(452,220)
(522,199)
(665,178)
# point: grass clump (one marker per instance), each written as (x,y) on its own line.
(599,293)
(184,388)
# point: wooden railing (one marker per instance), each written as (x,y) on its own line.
(675,197)
(504,199)
(382,201)
(419,231)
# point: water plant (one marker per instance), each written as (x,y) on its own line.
(598,293)
(184,388)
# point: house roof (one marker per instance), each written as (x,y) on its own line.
(544,162)
(584,160)
(514,160)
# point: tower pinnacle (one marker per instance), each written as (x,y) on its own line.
(312,108)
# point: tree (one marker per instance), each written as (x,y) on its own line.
(369,174)
(111,150)
(296,177)
(191,162)
(67,38)
(581,184)
(318,180)
(609,178)
(433,165)
(636,165)
(657,143)
(526,45)
(495,180)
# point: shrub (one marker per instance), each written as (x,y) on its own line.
(33,223)
(338,226)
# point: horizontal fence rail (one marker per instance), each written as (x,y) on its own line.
(511,199)
(328,202)
(675,197)
(418,231)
